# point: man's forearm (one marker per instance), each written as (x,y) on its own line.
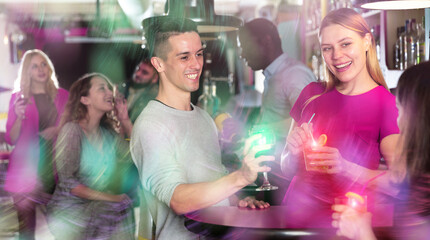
(190,197)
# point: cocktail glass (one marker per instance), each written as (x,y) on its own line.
(309,149)
(268,137)
(24,99)
(353,200)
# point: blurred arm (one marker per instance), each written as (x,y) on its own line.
(385,181)
(191,197)
(289,161)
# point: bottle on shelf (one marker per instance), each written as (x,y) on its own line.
(216,100)
(315,60)
(404,49)
(411,43)
(205,101)
(421,41)
(398,49)
(336,4)
(349,4)
(376,30)
(313,16)
(316,16)
(309,21)
(332,5)
(321,70)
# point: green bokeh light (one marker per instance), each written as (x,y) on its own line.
(268,136)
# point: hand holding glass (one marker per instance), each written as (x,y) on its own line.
(308,149)
(20,105)
(353,200)
(268,137)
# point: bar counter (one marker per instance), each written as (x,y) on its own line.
(276,222)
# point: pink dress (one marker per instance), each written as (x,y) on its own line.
(21,176)
(355,125)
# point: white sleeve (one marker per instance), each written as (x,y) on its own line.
(300,77)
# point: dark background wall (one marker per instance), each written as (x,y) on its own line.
(115,60)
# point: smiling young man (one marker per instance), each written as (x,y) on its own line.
(174,143)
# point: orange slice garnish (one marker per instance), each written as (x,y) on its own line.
(219,120)
(355,196)
(322,139)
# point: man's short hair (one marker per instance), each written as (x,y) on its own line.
(261,27)
(159,29)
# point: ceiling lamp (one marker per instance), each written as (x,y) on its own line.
(396,4)
(203,13)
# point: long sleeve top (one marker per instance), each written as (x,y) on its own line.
(24,158)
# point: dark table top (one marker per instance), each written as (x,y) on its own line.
(276,222)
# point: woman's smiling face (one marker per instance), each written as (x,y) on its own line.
(100,96)
(344,52)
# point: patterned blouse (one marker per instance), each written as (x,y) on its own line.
(79,162)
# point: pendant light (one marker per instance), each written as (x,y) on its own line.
(202,12)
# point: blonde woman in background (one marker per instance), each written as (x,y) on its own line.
(34,113)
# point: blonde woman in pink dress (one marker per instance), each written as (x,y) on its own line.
(34,113)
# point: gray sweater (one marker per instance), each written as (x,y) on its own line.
(172,147)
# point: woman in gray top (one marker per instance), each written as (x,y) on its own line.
(88,202)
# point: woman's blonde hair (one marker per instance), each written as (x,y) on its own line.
(350,19)
(23,81)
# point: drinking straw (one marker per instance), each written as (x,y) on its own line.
(313,115)
(309,122)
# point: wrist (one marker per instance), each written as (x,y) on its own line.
(20,117)
(123,115)
(292,151)
(366,233)
(348,169)
(118,198)
(240,179)
(125,120)
(289,164)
